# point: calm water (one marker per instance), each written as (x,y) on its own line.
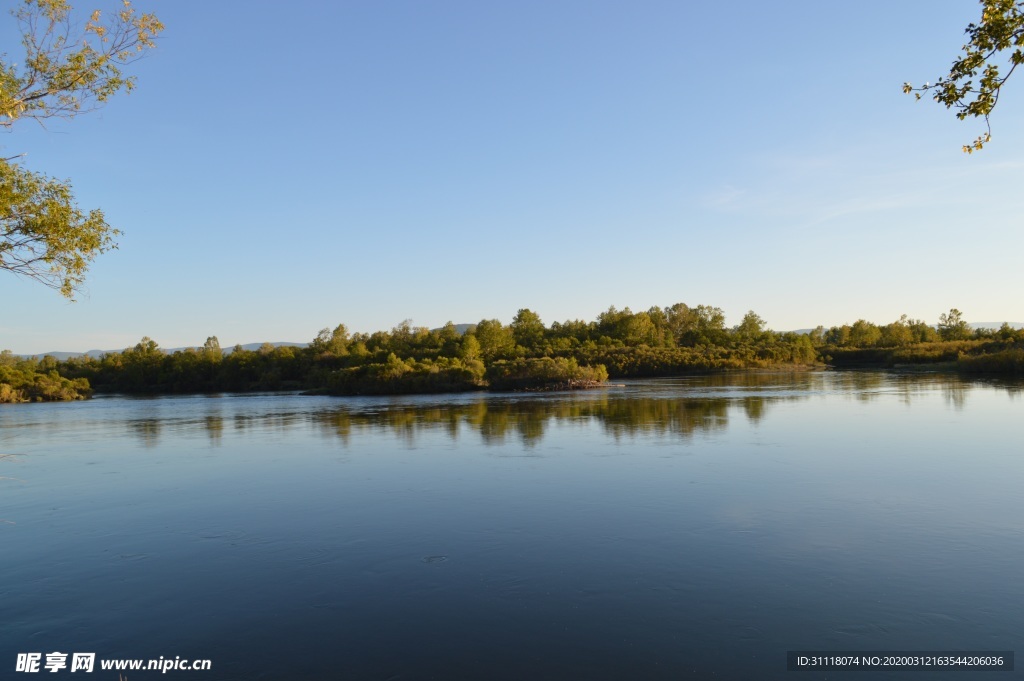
(695,528)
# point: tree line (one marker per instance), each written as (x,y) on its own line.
(522,355)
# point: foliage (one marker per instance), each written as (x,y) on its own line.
(922,332)
(770,351)
(977,76)
(527,329)
(1009,362)
(863,333)
(43,234)
(496,340)
(751,327)
(333,343)
(896,334)
(627,328)
(917,353)
(31,380)
(700,325)
(394,376)
(544,373)
(145,368)
(620,344)
(952,326)
(64,74)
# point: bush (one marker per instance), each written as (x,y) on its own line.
(1005,363)
(394,377)
(27,384)
(546,373)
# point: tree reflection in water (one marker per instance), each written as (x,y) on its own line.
(666,408)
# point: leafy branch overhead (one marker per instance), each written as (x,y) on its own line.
(994,49)
(68,69)
(43,234)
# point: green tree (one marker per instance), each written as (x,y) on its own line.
(496,340)
(708,326)
(897,334)
(752,326)
(817,335)
(43,234)
(612,323)
(639,329)
(469,349)
(802,349)
(922,332)
(528,329)
(407,340)
(681,320)
(952,326)
(329,344)
(631,329)
(449,340)
(838,335)
(993,51)
(864,334)
(574,331)
(659,318)
(211,349)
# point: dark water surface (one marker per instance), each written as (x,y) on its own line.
(691,528)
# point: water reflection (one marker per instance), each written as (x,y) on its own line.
(667,408)
(528,420)
(678,409)
(821,511)
(754,408)
(147,431)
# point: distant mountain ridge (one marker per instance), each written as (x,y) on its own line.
(995,325)
(973,325)
(461,328)
(100,353)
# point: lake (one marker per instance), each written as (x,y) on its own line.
(664,529)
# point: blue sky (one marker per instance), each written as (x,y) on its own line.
(283,167)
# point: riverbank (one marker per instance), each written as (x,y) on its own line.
(992,358)
(492,357)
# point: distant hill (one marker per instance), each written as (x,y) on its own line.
(461,328)
(100,353)
(995,325)
(257,346)
(975,325)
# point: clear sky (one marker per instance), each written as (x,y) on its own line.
(283,167)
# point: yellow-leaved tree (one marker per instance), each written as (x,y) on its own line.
(68,69)
(993,51)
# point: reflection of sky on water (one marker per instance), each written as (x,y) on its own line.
(666,408)
(707,523)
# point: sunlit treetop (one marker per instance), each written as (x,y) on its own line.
(43,234)
(994,49)
(69,68)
